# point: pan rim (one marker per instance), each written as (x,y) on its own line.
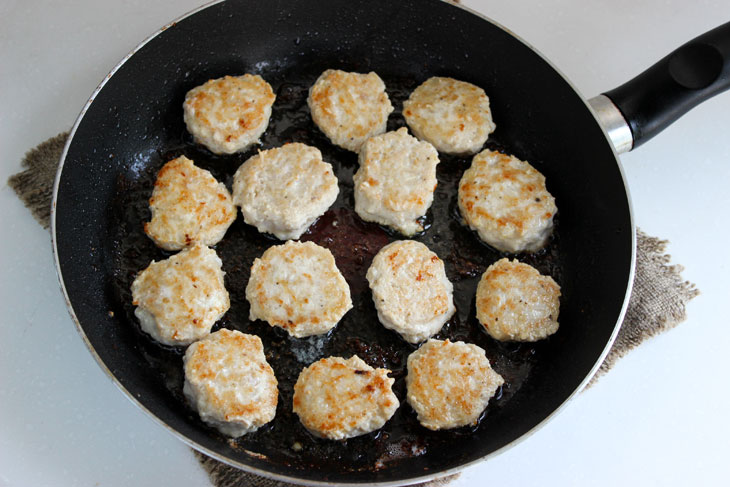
(296,480)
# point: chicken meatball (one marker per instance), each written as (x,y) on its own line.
(506,202)
(188,205)
(453,115)
(180,298)
(449,384)
(349,107)
(516,303)
(229,382)
(337,398)
(297,286)
(229,114)
(410,290)
(284,190)
(395,182)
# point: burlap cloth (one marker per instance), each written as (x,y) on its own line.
(657,301)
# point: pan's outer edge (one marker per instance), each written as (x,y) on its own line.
(295,480)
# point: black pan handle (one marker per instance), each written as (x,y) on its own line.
(676,84)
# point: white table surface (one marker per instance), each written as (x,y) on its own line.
(660,417)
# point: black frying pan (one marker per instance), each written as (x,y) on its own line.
(133,124)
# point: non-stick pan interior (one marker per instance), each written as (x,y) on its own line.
(134,125)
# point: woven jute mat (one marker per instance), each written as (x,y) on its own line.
(657,302)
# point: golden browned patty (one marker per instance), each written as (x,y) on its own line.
(179,299)
(453,115)
(230,383)
(410,290)
(297,286)
(349,107)
(229,114)
(506,202)
(515,302)
(337,398)
(188,206)
(449,384)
